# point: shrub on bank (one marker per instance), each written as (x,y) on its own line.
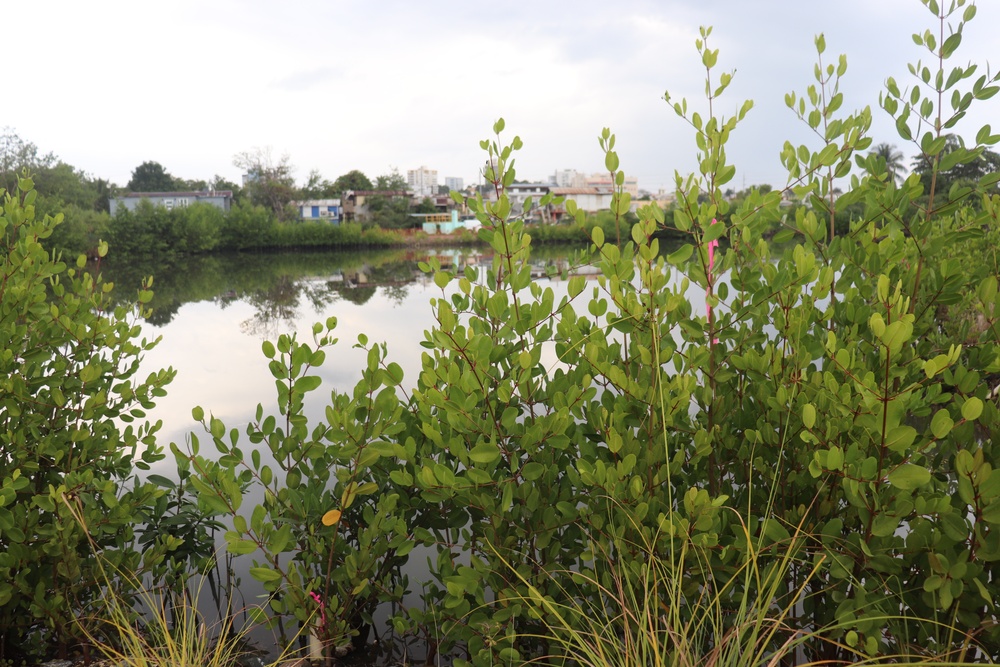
(814,419)
(804,461)
(73,434)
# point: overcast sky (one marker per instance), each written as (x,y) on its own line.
(369,84)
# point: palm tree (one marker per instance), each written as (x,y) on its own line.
(893,160)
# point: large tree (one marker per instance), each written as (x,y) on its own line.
(16,154)
(151,177)
(352,180)
(317,187)
(58,184)
(269,181)
(391,181)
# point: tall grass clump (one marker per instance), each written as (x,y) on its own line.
(134,624)
(655,613)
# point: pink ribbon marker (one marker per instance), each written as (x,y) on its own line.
(322,608)
(712,245)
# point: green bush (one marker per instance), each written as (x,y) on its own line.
(73,431)
(830,415)
(247,227)
(331,532)
(80,232)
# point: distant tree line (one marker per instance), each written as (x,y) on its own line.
(262,215)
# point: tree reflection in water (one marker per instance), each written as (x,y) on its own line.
(275,308)
(277,285)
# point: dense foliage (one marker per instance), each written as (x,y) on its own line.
(72,434)
(834,408)
(820,403)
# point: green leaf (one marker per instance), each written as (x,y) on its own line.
(308,383)
(972,408)
(162,481)
(941,423)
(597,235)
(395,372)
(532,471)
(265,574)
(611,161)
(951,44)
(714,232)
(217,428)
(240,547)
(909,476)
(681,255)
(484,453)
(809,415)
(900,438)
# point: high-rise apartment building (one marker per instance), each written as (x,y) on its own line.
(423,181)
(454,183)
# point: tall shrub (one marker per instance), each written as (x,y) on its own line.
(840,388)
(72,431)
(821,389)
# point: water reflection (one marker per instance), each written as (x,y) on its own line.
(213,312)
(278,284)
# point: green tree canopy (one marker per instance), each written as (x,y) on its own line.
(317,187)
(426,205)
(151,177)
(269,181)
(352,180)
(391,181)
(16,154)
(969,170)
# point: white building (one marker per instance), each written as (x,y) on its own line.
(222,199)
(568,178)
(587,199)
(423,182)
(454,183)
(519,193)
(603,180)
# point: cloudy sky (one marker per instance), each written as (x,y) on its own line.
(375,84)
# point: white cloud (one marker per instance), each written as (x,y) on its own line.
(344,84)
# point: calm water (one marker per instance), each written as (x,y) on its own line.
(213,313)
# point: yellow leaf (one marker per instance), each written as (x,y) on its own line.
(331,517)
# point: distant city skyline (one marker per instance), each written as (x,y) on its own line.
(331,84)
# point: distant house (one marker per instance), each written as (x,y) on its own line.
(437,226)
(324,210)
(519,193)
(590,199)
(356,202)
(222,199)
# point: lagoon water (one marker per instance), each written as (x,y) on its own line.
(212,315)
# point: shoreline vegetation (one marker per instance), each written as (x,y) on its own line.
(800,470)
